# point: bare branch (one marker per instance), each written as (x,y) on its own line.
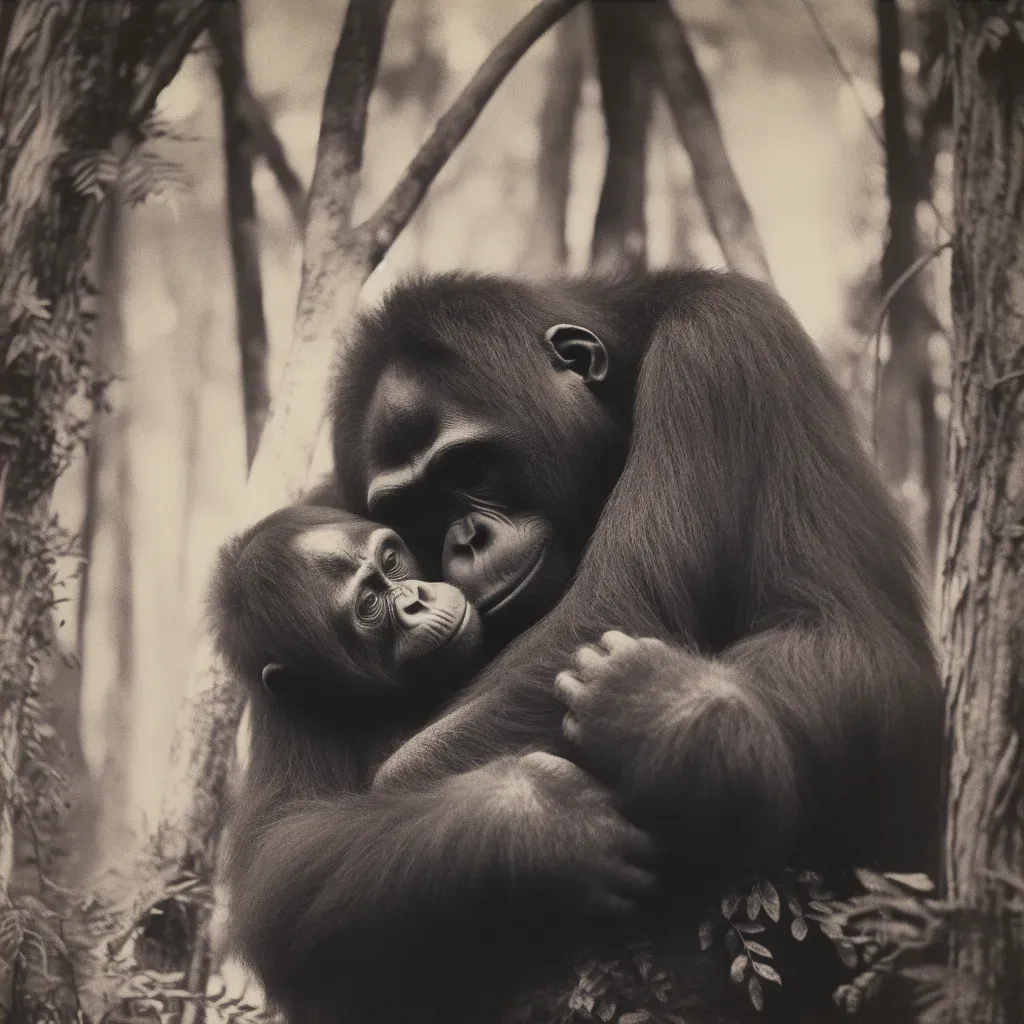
(336,263)
(268,145)
(395,211)
(165,67)
(339,153)
(546,249)
(225,30)
(688,98)
(883,310)
(251,325)
(622,37)
(6,19)
(906,401)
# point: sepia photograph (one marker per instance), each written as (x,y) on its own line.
(511,511)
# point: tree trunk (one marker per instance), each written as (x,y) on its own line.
(982,624)
(106,608)
(689,100)
(426,82)
(226,29)
(622,36)
(906,412)
(76,78)
(546,249)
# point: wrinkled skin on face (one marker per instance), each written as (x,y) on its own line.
(330,610)
(476,502)
(394,626)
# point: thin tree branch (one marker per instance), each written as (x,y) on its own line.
(622,38)
(720,193)
(266,142)
(546,249)
(226,30)
(166,66)
(906,392)
(339,153)
(883,310)
(6,19)
(401,203)
(335,261)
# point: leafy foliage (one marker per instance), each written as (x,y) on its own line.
(132,977)
(139,172)
(893,927)
(753,921)
(632,990)
(898,928)
(775,911)
(73,74)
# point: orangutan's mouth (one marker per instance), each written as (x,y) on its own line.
(495,602)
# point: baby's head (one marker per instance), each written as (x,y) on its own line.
(318,603)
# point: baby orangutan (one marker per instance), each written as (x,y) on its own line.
(342,648)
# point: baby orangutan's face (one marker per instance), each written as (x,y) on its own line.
(397,628)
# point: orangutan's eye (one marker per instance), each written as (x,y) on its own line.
(370,605)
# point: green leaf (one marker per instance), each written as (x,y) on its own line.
(606,1010)
(739,968)
(770,899)
(799,928)
(635,1017)
(756,947)
(706,933)
(767,971)
(749,927)
(756,995)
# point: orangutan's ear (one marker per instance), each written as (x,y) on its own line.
(275,676)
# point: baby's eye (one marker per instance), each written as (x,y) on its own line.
(369,605)
(391,563)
